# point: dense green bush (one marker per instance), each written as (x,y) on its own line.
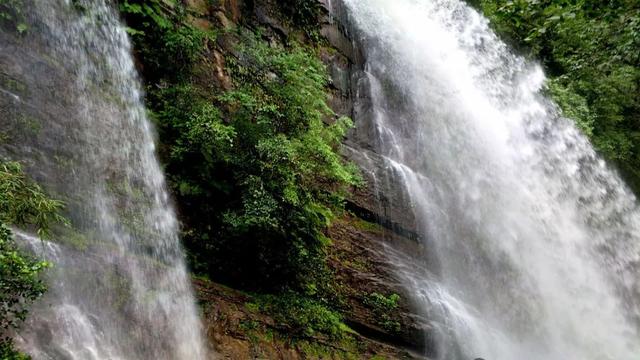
(20,285)
(256,170)
(304,318)
(590,50)
(21,203)
(168,45)
(383,308)
(255,166)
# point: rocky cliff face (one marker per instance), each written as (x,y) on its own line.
(378,221)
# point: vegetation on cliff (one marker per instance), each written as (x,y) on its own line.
(253,160)
(257,162)
(12,14)
(22,203)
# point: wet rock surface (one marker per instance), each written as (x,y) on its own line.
(359,259)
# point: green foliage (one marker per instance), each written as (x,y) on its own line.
(12,14)
(367,226)
(303,13)
(8,352)
(346,350)
(21,203)
(163,37)
(19,284)
(383,308)
(378,357)
(257,167)
(573,105)
(153,11)
(590,49)
(381,302)
(305,318)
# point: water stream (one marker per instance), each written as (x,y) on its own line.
(72,111)
(535,240)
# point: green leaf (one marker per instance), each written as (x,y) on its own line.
(21,27)
(134,32)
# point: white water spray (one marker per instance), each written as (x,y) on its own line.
(119,288)
(537,241)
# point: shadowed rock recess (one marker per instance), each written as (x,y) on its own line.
(377,223)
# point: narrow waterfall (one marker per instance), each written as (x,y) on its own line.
(71,109)
(535,240)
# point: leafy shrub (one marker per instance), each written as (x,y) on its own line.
(8,352)
(162,36)
(304,317)
(382,303)
(383,307)
(20,285)
(256,169)
(21,203)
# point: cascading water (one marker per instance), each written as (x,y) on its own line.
(71,109)
(536,240)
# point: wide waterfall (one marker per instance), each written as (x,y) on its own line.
(71,110)
(535,241)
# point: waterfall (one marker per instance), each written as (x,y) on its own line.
(535,239)
(71,109)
